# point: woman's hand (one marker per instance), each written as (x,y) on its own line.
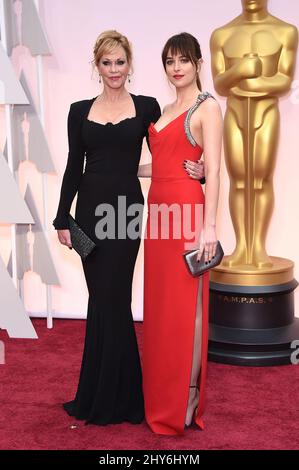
(194,169)
(64,237)
(207,243)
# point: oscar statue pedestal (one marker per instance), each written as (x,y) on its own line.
(252,320)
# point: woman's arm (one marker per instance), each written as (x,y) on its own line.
(145,171)
(212,130)
(73,170)
(152,114)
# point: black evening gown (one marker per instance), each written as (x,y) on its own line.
(110,382)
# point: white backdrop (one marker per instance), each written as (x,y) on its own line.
(72,27)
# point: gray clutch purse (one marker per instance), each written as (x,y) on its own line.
(81,242)
(197,268)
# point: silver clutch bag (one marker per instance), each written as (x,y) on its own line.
(197,268)
(81,242)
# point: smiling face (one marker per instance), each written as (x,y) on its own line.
(180,70)
(114,67)
(254,5)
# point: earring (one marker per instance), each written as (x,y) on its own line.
(100,80)
(129,80)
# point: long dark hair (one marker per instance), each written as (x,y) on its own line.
(186,45)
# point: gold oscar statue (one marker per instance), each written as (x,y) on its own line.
(252,319)
(253,61)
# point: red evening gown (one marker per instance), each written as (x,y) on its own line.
(170,292)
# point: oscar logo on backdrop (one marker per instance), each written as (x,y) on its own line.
(252,293)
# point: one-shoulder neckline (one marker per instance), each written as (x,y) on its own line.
(175,119)
(152,126)
(170,122)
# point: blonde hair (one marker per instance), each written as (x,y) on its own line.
(109,40)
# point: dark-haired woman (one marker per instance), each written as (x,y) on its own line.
(108,130)
(175,304)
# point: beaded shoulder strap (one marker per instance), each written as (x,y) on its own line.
(201,97)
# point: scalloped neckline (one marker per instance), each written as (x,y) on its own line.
(109,123)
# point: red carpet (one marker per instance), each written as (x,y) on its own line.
(246,408)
